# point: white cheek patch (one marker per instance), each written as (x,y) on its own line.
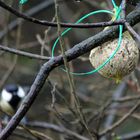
(6,95)
(21,92)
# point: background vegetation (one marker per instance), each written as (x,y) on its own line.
(103,103)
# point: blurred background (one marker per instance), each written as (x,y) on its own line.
(93,91)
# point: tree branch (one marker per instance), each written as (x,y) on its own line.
(54,24)
(23,53)
(34,10)
(120,121)
(56,128)
(132,31)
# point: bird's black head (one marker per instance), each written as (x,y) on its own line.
(13,94)
(11,89)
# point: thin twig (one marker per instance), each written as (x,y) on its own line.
(56,128)
(113,107)
(23,53)
(39,7)
(72,88)
(132,32)
(24,136)
(120,121)
(123,7)
(54,24)
(11,69)
(127,99)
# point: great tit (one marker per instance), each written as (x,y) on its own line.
(11,97)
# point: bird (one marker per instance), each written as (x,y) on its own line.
(10,98)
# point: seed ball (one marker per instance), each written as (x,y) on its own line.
(124,61)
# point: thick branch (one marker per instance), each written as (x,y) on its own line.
(73,53)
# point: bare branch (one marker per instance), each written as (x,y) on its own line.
(22,53)
(132,31)
(120,121)
(56,128)
(54,24)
